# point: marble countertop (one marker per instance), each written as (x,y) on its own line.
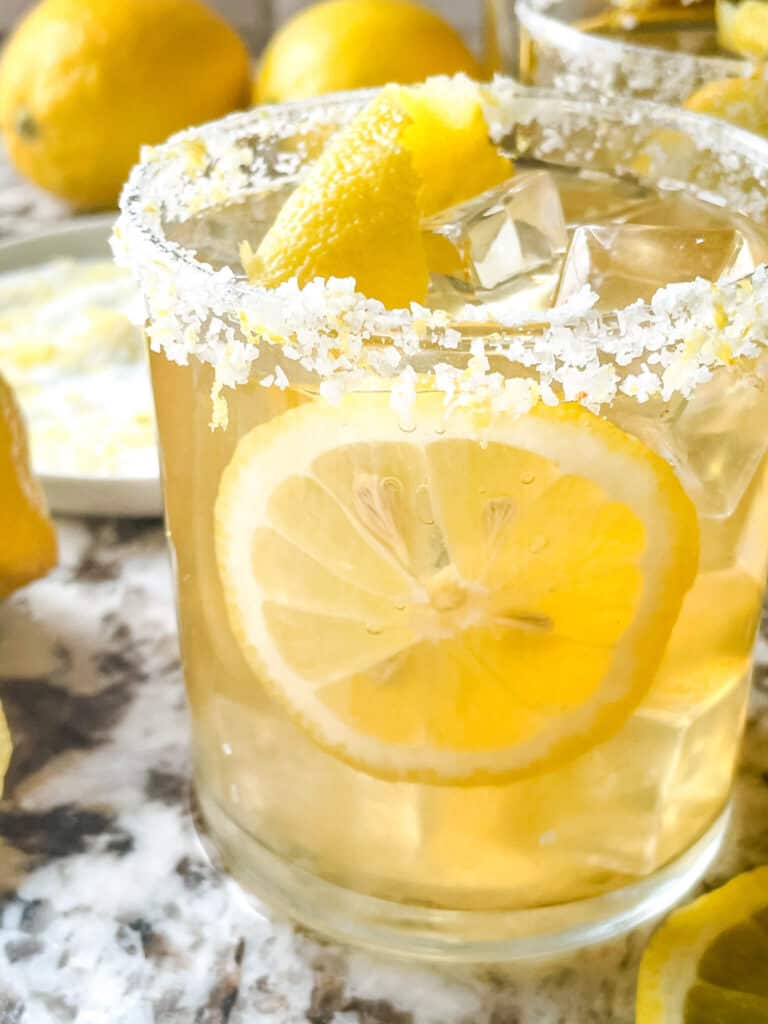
(110,912)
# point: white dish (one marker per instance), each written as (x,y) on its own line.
(84,495)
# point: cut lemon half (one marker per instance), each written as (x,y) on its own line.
(438,601)
(708,963)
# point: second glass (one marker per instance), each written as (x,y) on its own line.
(593,48)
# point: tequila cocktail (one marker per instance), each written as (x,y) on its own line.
(470,561)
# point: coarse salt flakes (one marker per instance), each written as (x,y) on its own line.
(327,328)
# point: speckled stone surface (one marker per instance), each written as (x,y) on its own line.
(110,912)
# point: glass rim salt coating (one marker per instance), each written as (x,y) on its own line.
(571,352)
(601,64)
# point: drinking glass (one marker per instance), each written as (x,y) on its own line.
(592,48)
(467,592)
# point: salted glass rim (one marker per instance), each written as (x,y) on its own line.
(538,18)
(193,309)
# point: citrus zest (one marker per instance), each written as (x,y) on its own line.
(358,211)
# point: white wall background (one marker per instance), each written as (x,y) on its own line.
(251,16)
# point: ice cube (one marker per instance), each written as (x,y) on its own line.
(529,293)
(589,197)
(626,262)
(721,436)
(492,239)
(678,209)
(636,772)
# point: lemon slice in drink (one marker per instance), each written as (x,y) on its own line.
(708,963)
(448,603)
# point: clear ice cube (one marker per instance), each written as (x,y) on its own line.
(528,293)
(590,197)
(715,440)
(626,262)
(678,209)
(721,436)
(492,240)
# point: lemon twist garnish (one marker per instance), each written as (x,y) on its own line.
(358,211)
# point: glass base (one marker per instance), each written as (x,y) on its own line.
(409,930)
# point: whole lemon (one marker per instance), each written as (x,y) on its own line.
(351,44)
(85,83)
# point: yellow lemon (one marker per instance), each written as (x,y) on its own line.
(450,634)
(742,101)
(27,536)
(5,748)
(352,44)
(708,963)
(85,83)
(358,211)
(356,214)
(742,27)
(448,139)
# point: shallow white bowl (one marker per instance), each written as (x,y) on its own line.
(86,237)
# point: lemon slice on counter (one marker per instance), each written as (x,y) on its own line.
(708,963)
(6,748)
(358,211)
(446,603)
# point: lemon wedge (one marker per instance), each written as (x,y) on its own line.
(443,602)
(358,211)
(708,963)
